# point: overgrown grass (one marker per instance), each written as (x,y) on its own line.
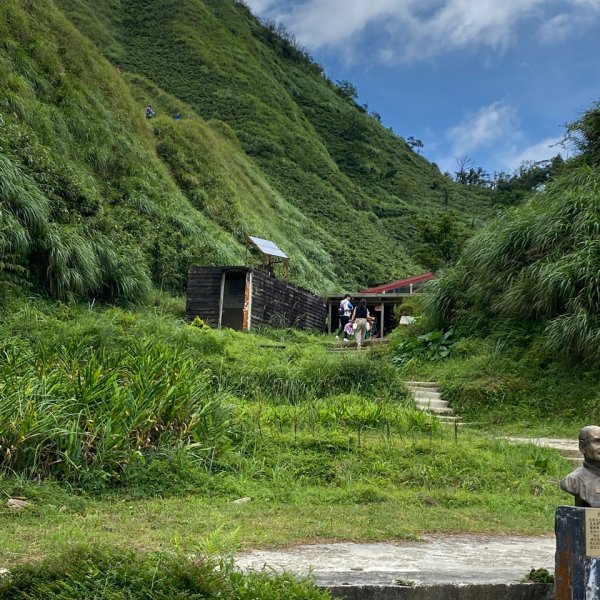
(92,572)
(266,146)
(134,429)
(88,401)
(536,266)
(510,385)
(312,485)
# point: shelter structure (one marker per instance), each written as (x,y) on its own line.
(244,298)
(381,301)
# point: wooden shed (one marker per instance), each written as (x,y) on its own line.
(244,298)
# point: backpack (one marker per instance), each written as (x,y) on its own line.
(341,311)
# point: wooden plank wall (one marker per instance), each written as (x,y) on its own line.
(281,304)
(204,294)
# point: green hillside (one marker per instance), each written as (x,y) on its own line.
(525,298)
(97,201)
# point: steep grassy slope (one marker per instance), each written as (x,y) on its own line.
(525,295)
(82,191)
(98,202)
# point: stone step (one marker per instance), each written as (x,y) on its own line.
(450,420)
(421,384)
(437,411)
(431,403)
(421,394)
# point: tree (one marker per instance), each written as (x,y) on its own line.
(512,188)
(347,90)
(464,163)
(584,134)
(439,241)
(414,143)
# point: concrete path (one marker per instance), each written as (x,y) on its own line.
(568,448)
(457,559)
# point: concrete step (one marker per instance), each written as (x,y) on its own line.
(420,394)
(421,384)
(437,411)
(430,403)
(451,420)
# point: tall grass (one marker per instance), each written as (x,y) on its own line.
(538,263)
(67,411)
(90,393)
(86,573)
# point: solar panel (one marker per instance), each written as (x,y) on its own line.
(267,247)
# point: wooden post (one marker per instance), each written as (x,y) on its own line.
(221,298)
(382,324)
(330,313)
(247,319)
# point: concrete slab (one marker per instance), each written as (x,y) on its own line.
(459,559)
(567,447)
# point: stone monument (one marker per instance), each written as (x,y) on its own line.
(577,572)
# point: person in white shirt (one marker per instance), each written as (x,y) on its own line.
(345,312)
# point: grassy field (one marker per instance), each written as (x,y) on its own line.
(134,430)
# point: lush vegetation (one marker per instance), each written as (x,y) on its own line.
(139,431)
(88,573)
(133,430)
(524,296)
(266,145)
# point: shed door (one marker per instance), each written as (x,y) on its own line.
(234,290)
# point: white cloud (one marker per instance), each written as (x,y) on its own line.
(543,150)
(260,6)
(589,4)
(417,29)
(558,28)
(492,124)
(459,23)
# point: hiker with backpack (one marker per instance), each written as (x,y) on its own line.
(344,313)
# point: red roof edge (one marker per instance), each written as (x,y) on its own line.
(387,287)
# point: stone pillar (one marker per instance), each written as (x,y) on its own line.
(577,572)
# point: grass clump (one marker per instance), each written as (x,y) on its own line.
(87,402)
(93,572)
(80,411)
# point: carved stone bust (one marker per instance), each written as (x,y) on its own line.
(584,482)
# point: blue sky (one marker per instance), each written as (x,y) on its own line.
(493,81)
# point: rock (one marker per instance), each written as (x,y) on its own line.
(62,509)
(17,503)
(243,500)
